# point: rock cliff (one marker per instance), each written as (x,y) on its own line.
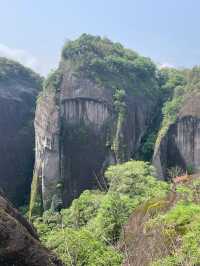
(93,112)
(19,241)
(180,145)
(19,87)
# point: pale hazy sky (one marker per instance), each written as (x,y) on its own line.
(34,31)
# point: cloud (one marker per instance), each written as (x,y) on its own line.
(22,56)
(165,65)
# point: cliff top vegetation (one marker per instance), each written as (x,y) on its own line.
(12,71)
(108,64)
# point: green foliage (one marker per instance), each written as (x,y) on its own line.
(118,145)
(178,84)
(185,193)
(93,46)
(178,217)
(148,147)
(82,209)
(119,101)
(170,111)
(111,65)
(135,179)
(43,228)
(24,210)
(175,171)
(53,81)
(172,82)
(167,261)
(182,214)
(79,247)
(188,253)
(171,78)
(181,225)
(130,184)
(190,169)
(113,213)
(193,78)
(12,71)
(84,234)
(35,207)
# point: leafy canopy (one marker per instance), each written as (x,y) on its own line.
(110,64)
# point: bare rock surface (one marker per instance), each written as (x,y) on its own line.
(19,88)
(19,244)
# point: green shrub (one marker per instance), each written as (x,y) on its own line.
(135,179)
(111,65)
(190,169)
(183,223)
(147,148)
(175,171)
(79,247)
(82,209)
(112,214)
(84,233)
(177,84)
(53,81)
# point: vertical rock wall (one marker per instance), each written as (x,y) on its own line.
(81,127)
(74,138)
(19,88)
(181,144)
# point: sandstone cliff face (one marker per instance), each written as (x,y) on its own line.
(80,131)
(18,90)
(19,242)
(180,146)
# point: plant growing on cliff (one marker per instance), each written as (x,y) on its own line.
(35,207)
(53,81)
(118,146)
(147,147)
(170,112)
(178,84)
(111,65)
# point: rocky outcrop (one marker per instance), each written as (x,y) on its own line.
(83,123)
(19,244)
(180,146)
(18,91)
(143,245)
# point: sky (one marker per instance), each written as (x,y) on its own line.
(33,32)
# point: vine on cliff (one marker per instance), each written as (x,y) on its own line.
(119,147)
(172,83)
(35,207)
(181,83)
(170,113)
